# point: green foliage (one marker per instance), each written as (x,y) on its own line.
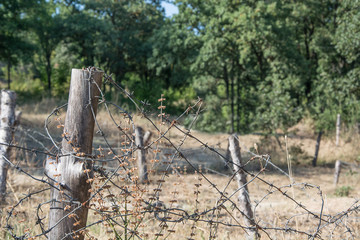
(336,85)
(14,46)
(343,191)
(179,98)
(258,65)
(298,155)
(25,85)
(249,49)
(47,28)
(347,38)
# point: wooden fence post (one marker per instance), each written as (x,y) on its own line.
(337,172)
(243,198)
(71,172)
(337,129)
(7,123)
(141,160)
(147,137)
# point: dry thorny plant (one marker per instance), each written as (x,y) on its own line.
(180,199)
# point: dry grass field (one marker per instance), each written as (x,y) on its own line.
(274,211)
(124,209)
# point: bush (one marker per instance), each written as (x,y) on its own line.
(343,191)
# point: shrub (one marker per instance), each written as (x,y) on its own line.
(343,191)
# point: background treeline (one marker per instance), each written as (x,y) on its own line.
(259,65)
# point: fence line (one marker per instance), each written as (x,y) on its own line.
(133,210)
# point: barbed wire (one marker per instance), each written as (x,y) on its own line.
(153,210)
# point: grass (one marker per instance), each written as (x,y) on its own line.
(275,210)
(184,190)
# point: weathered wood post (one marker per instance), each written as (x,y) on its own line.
(71,172)
(141,159)
(337,129)
(7,123)
(147,137)
(243,198)
(337,172)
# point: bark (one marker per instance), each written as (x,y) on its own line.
(278,141)
(229,84)
(317,147)
(243,198)
(238,104)
(141,160)
(226,80)
(147,137)
(7,123)
(69,172)
(8,72)
(232,105)
(48,72)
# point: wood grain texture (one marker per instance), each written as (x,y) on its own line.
(69,171)
(243,197)
(140,152)
(337,171)
(147,137)
(7,123)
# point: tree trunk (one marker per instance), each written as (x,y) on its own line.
(226,80)
(238,104)
(141,160)
(278,141)
(48,73)
(69,171)
(243,198)
(232,105)
(8,72)
(7,122)
(317,147)
(229,85)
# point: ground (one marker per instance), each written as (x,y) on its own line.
(287,200)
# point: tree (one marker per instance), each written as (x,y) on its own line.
(216,63)
(347,44)
(246,48)
(13,43)
(47,26)
(335,88)
(270,37)
(170,62)
(127,27)
(82,31)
